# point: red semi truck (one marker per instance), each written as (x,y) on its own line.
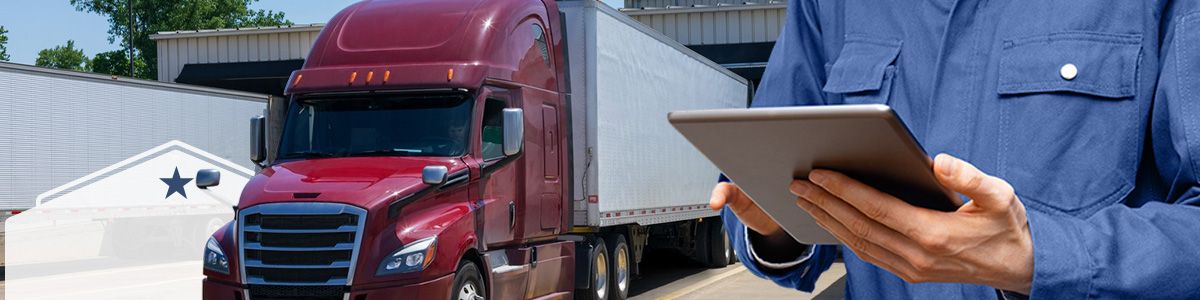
(480,149)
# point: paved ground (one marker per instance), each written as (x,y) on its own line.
(112,279)
(669,277)
(664,276)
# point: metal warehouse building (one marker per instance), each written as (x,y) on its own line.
(248,59)
(736,34)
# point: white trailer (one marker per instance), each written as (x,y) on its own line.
(630,165)
(59,126)
(637,183)
(102,166)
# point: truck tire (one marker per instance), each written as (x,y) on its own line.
(598,277)
(733,259)
(468,284)
(620,269)
(719,251)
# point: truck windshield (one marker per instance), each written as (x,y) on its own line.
(377,126)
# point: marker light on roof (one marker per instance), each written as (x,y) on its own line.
(353,77)
(449,74)
(370,75)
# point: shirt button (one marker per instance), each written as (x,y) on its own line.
(1068,71)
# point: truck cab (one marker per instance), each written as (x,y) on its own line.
(419,149)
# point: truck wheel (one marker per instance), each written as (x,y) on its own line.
(718,246)
(468,284)
(598,279)
(620,268)
(731,257)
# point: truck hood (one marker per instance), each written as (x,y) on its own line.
(367,182)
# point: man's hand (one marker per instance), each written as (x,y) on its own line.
(986,241)
(728,194)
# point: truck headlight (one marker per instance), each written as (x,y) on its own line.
(411,258)
(215,259)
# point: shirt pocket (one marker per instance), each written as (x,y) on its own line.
(864,71)
(1070,137)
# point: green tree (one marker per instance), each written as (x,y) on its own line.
(117,63)
(152,16)
(63,57)
(3,44)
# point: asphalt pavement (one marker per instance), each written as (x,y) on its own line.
(664,276)
(667,276)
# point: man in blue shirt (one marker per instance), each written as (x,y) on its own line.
(1080,120)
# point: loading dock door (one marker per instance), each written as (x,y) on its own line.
(267,77)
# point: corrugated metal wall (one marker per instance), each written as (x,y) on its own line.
(174,53)
(87,124)
(709,26)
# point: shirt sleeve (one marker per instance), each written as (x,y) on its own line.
(1148,247)
(800,274)
(801,257)
(795,71)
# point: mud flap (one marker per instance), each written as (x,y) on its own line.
(583,262)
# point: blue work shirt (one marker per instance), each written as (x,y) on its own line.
(1089,108)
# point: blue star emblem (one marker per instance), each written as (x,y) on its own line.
(176,184)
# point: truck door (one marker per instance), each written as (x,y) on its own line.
(551,197)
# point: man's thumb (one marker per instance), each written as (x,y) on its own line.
(720,196)
(960,176)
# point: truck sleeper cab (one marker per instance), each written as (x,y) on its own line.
(432,150)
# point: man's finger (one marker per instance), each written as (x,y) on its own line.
(719,195)
(879,206)
(866,250)
(858,224)
(985,191)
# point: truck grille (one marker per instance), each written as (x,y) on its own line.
(283,292)
(299,244)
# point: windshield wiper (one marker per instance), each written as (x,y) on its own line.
(387,152)
(308,154)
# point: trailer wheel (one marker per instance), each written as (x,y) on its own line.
(598,279)
(731,257)
(468,284)
(719,254)
(621,266)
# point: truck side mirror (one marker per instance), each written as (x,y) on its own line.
(434,175)
(207,178)
(514,130)
(258,139)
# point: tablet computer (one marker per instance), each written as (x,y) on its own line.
(763,149)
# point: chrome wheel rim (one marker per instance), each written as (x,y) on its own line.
(601,283)
(622,269)
(728,249)
(469,291)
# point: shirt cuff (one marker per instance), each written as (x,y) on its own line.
(808,252)
(1006,295)
(1062,265)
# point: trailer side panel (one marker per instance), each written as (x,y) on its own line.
(90,121)
(635,167)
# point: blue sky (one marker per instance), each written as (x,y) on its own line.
(34,25)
